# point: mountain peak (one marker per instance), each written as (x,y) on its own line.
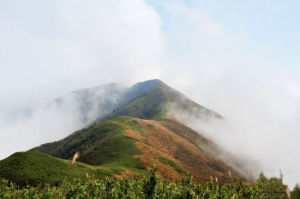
(148,85)
(153,99)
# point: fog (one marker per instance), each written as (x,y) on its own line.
(49,49)
(259,127)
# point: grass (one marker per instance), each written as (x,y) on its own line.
(171,163)
(150,125)
(149,106)
(122,119)
(146,142)
(102,144)
(115,153)
(35,168)
(115,150)
(131,123)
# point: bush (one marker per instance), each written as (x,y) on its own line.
(151,187)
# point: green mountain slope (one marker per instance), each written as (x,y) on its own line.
(104,148)
(103,143)
(35,168)
(127,144)
(158,101)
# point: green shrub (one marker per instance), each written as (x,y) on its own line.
(149,188)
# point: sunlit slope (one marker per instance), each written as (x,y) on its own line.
(34,168)
(104,143)
(132,144)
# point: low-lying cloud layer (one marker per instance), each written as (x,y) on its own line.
(49,49)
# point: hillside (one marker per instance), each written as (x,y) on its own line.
(35,168)
(132,144)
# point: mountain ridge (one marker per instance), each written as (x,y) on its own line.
(140,132)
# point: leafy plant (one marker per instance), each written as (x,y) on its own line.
(150,187)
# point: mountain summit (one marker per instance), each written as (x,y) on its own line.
(153,99)
(137,133)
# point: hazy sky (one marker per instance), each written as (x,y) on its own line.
(239,58)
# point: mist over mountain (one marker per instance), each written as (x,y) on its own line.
(92,103)
(133,129)
(106,102)
(61,116)
(80,108)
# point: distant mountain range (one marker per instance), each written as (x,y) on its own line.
(126,131)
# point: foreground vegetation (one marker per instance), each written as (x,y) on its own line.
(152,187)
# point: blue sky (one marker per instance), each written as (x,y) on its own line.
(274,26)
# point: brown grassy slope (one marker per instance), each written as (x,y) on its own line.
(183,146)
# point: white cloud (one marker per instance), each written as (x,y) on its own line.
(47,44)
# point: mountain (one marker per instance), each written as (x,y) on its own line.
(149,100)
(139,132)
(128,143)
